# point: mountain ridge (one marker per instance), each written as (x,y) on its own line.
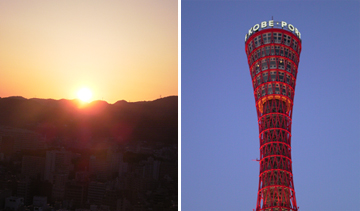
(143,120)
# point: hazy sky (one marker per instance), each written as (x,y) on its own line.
(220,134)
(124,49)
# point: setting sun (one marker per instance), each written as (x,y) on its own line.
(84,95)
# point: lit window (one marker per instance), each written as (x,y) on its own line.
(281,64)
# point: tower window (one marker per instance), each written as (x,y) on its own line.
(257,66)
(266,38)
(264,64)
(277,50)
(294,72)
(281,64)
(270,91)
(277,37)
(290,55)
(253,71)
(250,46)
(281,76)
(267,48)
(277,89)
(288,79)
(294,46)
(263,90)
(263,52)
(272,63)
(257,41)
(273,75)
(288,67)
(281,51)
(287,40)
(284,90)
(265,77)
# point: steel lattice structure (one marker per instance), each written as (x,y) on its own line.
(273,56)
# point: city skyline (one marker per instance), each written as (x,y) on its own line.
(120,50)
(69,158)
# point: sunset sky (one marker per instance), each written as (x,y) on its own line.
(117,49)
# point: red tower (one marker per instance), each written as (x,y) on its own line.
(273,50)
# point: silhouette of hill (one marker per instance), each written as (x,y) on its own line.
(149,120)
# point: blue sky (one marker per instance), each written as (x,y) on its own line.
(219,128)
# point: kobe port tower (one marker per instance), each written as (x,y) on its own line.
(273,51)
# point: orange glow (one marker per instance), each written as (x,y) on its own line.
(123,50)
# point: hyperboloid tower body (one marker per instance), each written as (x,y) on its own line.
(273,50)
